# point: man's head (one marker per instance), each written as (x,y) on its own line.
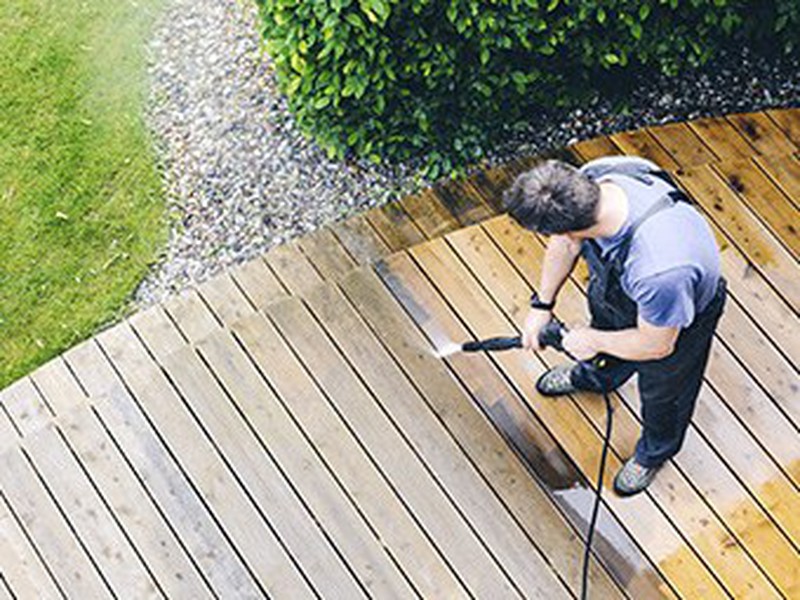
(552,198)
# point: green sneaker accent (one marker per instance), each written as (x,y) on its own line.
(633,478)
(556,381)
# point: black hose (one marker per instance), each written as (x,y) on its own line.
(598,494)
(552,336)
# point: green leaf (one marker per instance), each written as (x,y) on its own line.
(484,55)
(611,58)
(601,15)
(322,102)
(355,21)
(644,11)
(298,63)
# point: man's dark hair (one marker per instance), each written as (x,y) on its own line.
(553,197)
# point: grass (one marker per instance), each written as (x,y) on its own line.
(81,204)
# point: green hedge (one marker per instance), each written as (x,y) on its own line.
(400,80)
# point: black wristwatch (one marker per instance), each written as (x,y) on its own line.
(536,303)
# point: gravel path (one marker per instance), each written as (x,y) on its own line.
(240,178)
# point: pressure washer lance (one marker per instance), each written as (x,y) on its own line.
(552,335)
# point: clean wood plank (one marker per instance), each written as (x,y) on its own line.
(143,523)
(749,235)
(762,133)
(359,238)
(641,143)
(508,290)
(748,401)
(154,542)
(323,250)
(253,537)
(296,457)
(9,434)
(292,268)
(395,227)
(88,517)
(26,408)
(477,550)
(5,589)
(722,138)
(255,470)
(190,313)
(417,418)
(788,119)
(69,564)
(623,558)
(257,282)
(142,448)
(20,563)
(784,172)
(227,300)
(429,214)
(683,144)
(724,434)
(768,203)
(776,374)
(413,551)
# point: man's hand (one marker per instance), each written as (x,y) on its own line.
(581,343)
(536,319)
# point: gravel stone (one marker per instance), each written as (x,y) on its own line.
(240,177)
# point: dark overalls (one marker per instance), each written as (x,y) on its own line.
(668,387)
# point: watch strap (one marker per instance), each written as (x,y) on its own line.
(536,303)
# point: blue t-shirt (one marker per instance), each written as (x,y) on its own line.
(673,267)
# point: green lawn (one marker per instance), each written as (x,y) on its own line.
(81,207)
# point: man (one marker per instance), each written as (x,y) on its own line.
(655,291)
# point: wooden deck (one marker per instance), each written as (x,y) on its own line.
(285,429)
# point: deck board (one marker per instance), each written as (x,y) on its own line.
(264,483)
(44,524)
(741,577)
(20,563)
(463,539)
(250,533)
(286,429)
(414,551)
(766,201)
(712,475)
(481,504)
(577,436)
(143,448)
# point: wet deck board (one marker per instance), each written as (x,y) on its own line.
(285,429)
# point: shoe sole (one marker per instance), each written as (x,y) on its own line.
(552,394)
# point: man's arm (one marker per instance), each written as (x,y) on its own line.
(559,260)
(666,305)
(643,342)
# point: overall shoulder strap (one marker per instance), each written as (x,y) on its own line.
(663,202)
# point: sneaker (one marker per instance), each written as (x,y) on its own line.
(633,478)
(556,381)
